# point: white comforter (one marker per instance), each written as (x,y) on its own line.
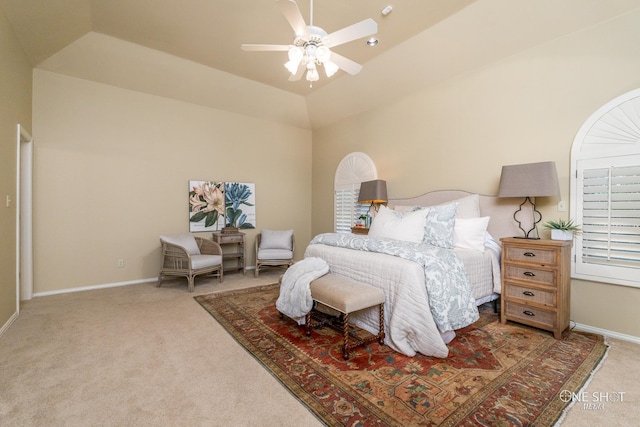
(409,324)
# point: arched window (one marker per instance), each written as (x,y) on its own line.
(605,193)
(352,170)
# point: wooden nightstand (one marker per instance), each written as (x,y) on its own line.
(232,249)
(536,283)
(359,230)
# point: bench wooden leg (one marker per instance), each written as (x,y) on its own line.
(307,323)
(345,333)
(381,326)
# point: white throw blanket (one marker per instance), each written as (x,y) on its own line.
(295,292)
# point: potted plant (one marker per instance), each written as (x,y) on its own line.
(562,229)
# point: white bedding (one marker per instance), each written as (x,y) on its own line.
(409,325)
(483,272)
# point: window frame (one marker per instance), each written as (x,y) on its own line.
(609,139)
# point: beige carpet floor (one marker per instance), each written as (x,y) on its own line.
(145,356)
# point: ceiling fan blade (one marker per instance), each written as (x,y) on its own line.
(352,32)
(265,47)
(292,13)
(346,64)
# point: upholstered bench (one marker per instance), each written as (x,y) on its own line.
(346,296)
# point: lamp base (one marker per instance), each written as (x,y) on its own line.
(535,221)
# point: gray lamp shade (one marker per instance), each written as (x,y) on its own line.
(373,191)
(529,180)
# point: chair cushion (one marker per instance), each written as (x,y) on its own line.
(204,261)
(276,239)
(274,254)
(186,241)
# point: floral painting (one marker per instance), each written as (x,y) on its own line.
(214,205)
(206,205)
(240,203)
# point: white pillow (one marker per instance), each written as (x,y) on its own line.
(408,227)
(275,239)
(469,233)
(468,207)
(187,241)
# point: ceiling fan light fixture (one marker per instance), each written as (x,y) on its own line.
(330,68)
(323,54)
(296,55)
(312,75)
(292,67)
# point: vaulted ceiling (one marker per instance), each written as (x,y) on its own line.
(421,42)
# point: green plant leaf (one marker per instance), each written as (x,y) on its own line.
(562,224)
(212,217)
(198,216)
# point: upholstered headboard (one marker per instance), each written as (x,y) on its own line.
(500,210)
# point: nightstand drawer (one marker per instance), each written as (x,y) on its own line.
(528,315)
(530,274)
(232,238)
(530,295)
(532,255)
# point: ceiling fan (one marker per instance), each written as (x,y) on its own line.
(312,45)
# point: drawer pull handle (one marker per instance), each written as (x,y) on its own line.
(529,313)
(529,293)
(529,274)
(529,254)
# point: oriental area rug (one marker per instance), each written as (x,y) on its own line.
(495,375)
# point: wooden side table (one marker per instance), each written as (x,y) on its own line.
(232,250)
(536,283)
(359,230)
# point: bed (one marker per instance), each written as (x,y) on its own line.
(432,289)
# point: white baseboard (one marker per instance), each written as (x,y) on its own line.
(607,333)
(8,323)
(102,286)
(90,288)
(578,326)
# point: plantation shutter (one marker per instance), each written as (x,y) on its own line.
(353,169)
(345,209)
(610,196)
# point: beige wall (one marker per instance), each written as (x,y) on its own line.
(111,175)
(15,107)
(457,135)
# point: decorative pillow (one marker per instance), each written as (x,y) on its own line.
(187,241)
(470,233)
(393,225)
(276,239)
(439,223)
(468,206)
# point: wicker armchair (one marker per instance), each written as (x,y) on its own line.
(188,256)
(274,249)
